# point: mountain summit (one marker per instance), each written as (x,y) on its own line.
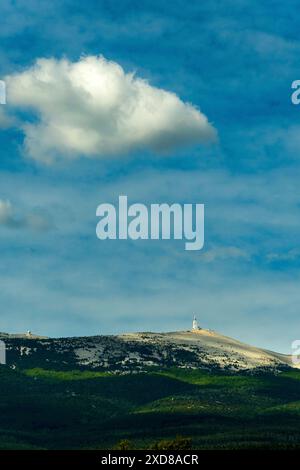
(135,352)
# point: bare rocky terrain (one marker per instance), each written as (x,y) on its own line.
(135,352)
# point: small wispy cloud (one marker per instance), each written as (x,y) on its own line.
(289,255)
(93,108)
(32,220)
(6,120)
(224,252)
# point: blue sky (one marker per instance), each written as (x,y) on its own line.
(233,60)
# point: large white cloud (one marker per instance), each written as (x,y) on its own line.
(93,108)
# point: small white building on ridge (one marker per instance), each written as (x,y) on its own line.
(195,324)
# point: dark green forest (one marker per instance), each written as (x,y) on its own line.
(47,409)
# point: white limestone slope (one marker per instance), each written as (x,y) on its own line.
(215,349)
(203,349)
